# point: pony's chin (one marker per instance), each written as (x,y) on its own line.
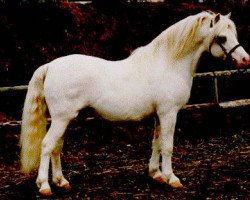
(241,65)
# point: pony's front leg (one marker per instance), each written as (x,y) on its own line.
(49,144)
(166,137)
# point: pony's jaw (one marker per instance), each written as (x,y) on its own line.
(241,58)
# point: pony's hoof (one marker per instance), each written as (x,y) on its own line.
(160,180)
(67,187)
(45,192)
(177,185)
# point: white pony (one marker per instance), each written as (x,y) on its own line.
(156,78)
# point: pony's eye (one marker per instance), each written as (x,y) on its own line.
(221,39)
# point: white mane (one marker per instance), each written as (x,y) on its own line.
(182,37)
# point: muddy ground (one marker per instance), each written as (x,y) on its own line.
(111,162)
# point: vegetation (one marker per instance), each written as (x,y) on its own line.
(33,34)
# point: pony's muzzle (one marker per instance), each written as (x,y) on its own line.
(244,62)
(240,58)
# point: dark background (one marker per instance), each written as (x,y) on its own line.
(33,33)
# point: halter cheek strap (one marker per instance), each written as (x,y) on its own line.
(228,54)
(232,50)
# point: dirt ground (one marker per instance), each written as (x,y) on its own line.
(100,165)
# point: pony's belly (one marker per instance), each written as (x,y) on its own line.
(119,112)
(122,116)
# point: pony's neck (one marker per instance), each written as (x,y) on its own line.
(180,43)
(194,58)
(177,48)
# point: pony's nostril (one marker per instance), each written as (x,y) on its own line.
(233,60)
(246,59)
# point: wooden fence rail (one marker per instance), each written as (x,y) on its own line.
(214,75)
(206,74)
(224,105)
(222,73)
(13,88)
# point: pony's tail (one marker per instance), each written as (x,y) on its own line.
(34,121)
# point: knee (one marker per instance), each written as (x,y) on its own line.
(47,147)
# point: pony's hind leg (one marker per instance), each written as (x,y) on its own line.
(49,145)
(57,175)
(154,162)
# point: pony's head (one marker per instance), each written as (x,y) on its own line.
(220,38)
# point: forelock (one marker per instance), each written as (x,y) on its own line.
(225,23)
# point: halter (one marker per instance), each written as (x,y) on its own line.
(228,54)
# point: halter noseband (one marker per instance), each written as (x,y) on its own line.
(228,54)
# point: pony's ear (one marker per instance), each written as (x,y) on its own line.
(228,15)
(202,19)
(211,23)
(217,18)
(214,20)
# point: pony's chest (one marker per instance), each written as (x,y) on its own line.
(175,90)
